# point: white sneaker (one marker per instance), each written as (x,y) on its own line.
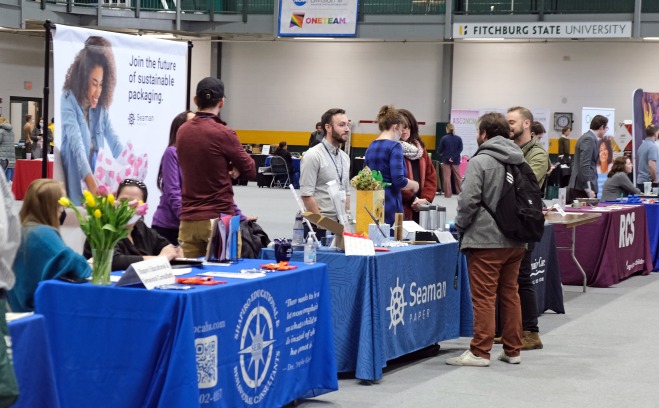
(510,360)
(468,359)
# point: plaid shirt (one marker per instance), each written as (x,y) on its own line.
(386,156)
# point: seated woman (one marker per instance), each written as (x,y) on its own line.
(143,243)
(42,253)
(617,182)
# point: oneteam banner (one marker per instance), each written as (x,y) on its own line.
(317,18)
(115,97)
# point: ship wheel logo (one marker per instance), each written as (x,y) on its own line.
(397,306)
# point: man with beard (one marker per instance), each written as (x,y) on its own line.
(326,162)
(521,122)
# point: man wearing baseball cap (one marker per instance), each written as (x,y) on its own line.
(209,155)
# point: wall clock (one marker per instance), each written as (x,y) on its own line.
(562,119)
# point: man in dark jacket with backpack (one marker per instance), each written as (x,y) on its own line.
(493,259)
(520,120)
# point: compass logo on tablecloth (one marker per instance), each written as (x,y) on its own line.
(397,306)
(258,358)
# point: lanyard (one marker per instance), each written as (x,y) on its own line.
(335,166)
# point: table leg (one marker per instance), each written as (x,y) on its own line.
(574,243)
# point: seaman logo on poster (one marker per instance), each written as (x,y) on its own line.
(258,363)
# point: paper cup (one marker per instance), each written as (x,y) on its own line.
(28,156)
(647,187)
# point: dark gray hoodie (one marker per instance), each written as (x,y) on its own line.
(483,182)
(7,141)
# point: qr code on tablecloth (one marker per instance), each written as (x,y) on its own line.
(206,351)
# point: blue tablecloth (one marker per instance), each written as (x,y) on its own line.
(261,342)
(652,216)
(391,304)
(32,363)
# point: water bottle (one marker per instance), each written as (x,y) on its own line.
(298,232)
(328,238)
(310,251)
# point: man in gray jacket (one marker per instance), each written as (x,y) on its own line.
(583,180)
(493,259)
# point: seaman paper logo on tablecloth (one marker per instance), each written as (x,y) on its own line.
(417,308)
(259,361)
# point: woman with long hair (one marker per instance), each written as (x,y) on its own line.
(166,219)
(617,182)
(86,99)
(419,168)
(385,154)
(605,155)
(42,254)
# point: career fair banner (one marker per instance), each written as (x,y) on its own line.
(542,116)
(465,122)
(607,147)
(317,18)
(115,98)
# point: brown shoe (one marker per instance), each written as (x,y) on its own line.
(497,340)
(531,340)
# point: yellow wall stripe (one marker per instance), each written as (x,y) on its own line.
(273,137)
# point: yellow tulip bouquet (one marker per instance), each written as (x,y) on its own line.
(104,225)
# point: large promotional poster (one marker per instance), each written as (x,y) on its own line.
(115,97)
(608,148)
(646,113)
(317,18)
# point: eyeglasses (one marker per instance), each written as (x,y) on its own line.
(133,182)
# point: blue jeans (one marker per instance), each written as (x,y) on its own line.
(9,173)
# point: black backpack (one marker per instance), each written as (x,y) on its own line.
(518,213)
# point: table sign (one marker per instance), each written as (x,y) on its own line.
(562,196)
(357,245)
(265,150)
(445,237)
(558,208)
(152,273)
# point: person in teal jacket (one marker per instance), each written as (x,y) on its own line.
(42,253)
(85,103)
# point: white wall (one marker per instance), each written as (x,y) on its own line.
(21,59)
(289,85)
(200,68)
(542,75)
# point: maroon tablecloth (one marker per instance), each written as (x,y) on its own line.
(26,172)
(610,249)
